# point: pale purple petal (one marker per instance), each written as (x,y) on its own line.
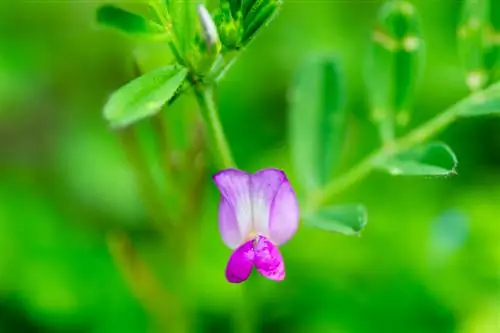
(240,263)
(264,187)
(268,259)
(235,209)
(228,225)
(284,217)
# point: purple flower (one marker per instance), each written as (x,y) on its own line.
(257,212)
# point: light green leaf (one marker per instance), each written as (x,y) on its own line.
(130,23)
(482,103)
(144,96)
(316,121)
(346,219)
(433,159)
(394,64)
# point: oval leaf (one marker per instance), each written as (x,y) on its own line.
(471,44)
(144,96)
(482,103)
(394,65)
(130,23)
(317,121)
(346,219)
(433,159)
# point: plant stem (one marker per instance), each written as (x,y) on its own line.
(366,166)
(144,180)
(218,143)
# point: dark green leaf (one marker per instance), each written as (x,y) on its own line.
(144,96)
(262,16)
(346,219)
(127,22)
(433,159)
(317,120)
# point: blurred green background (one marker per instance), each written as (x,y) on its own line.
(428,260)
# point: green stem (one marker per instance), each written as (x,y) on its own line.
(215,132)
(144,179)
(366,166)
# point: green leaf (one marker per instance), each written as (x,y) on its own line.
(433,159)
(394,65)
(130,23)
(258,19)
(471,30)
(144,96)
(482,103)
(346,219)
(317,120)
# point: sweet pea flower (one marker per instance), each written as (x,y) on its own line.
(257,212)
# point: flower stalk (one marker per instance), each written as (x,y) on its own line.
(215,132)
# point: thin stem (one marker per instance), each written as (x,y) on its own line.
(366,166)
(142,280)
(215,132)
(144,179)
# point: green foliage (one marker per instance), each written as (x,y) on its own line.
(317,120)
(433,159)
(394,63)
(346,219)
(482,103)
(144,96)
(127,22)
(471,32)
(238,21)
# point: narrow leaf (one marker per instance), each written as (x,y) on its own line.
(471,31)
(144,96)
(394,64)
(317,120)
(346,219)
(482,103)
(130,23)
(263,15)
(433,159)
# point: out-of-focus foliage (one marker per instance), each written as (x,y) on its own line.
(317,121)
(433,159)
(65,184)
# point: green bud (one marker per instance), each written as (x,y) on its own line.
(197,39)
(239,20)
(209,44)
(229,28)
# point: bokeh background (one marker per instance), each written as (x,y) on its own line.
(428,260)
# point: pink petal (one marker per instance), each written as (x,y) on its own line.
(264,187)
(240,263)
(235,209)
(268,259)
(284,216)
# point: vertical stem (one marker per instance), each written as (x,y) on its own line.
(244,315)
(144,179)
(218,143)
(142,281)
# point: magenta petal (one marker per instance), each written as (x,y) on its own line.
(235,209)
(268,259)
(284,216)
(240,263)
